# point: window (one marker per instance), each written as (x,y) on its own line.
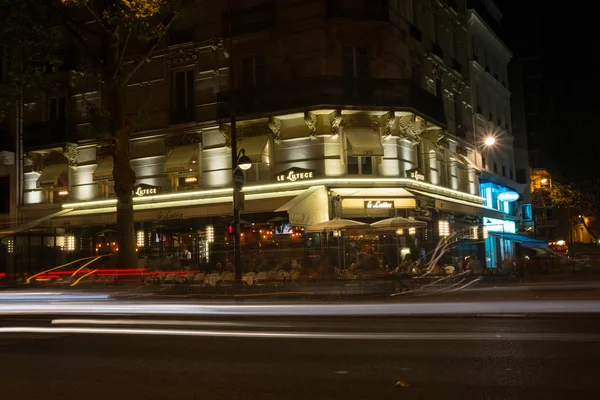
(416,75)
(419,158)
(253,71)
(183,91)
(4,194)
(355,61)
(495,167)
(438,88)
(360,165)
(56,109)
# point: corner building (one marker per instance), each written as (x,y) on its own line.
(347,109)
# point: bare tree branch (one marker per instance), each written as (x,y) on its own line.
(82,42)
(123,51)
(97,18)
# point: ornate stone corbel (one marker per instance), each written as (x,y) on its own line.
(410,128)
(191,137)
(458,84)
(70,153)
(462,151)
(226,133)
(335,119)
(442,140)
(310,118)
(388,127)
(438,71)
(275,127)
(7,158)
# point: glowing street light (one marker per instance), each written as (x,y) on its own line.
(490,141)
(244,162)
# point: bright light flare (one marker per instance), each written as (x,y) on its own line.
(490,141)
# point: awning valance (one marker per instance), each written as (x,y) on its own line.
(181,159)
(525,241)
(104,172)
(55,175)
(363,142)
(254,147)
(308,208)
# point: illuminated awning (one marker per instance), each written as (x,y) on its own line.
(104,172)
(182,159)
(55,175)
(450,204)
(254,147)
(308,208)
(363,142)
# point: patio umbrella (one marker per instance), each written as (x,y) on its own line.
(398,223)
(337,224)
(277,219)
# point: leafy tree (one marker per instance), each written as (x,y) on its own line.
(114,38)
(580,201)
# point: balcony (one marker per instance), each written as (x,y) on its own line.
(371,10)
(332,92)
(48,135)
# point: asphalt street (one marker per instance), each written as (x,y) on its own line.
(231,357)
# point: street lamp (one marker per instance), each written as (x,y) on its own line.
(489,141)
(244,162)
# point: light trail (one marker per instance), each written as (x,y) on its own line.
(159,322)
(148,307)
(570,337)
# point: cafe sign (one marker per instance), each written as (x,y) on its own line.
(295,174)
(142,190)
(416,174)
(379,204)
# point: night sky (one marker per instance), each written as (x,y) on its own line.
(566,41)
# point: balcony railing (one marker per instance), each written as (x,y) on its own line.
(333,92)
(46,135)
(373,10)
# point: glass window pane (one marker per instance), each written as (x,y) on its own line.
(366,165)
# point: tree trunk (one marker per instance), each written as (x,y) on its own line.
(124,177)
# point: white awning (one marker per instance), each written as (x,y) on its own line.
(470,163)
(181,158)
(254,147)
(308,208)
(104,172)
(462,206)
(372,192)
(54,176)
(363,142)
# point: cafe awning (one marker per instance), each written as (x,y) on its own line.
(104,172)
(181,158)
(363,142)
(54,176)
(525,241)
(308,208)
(450,204)
(254,147)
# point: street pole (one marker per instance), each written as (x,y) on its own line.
(237,249)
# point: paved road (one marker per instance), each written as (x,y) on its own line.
(363,358)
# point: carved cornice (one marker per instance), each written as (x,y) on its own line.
(275,127)
(411,128)
(462,151)
(310,118)
(388,126)
(181,59)
(7,158)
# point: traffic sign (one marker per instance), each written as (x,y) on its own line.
(238,179)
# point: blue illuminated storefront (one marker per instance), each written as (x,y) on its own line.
(498,246)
